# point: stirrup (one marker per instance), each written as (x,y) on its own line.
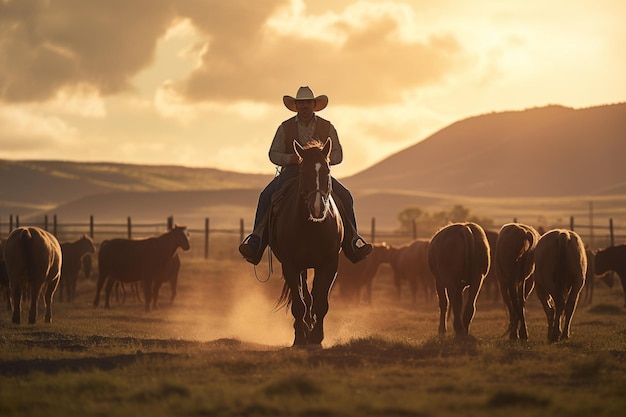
(251,254)
(358,250)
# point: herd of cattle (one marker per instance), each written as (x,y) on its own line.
(34,263)
(456,264)
(462,259)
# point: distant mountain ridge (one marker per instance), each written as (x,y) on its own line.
(544,152)
(547,151)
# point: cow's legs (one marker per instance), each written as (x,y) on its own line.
(48,296)
(35,290)
(570,307)
(456,301)
(442,294)
(17,303)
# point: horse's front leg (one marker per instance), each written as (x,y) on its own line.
(309,320)
(298,307)
(322,284)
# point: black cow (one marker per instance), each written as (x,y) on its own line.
(613,259)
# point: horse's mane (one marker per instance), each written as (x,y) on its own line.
(315,143)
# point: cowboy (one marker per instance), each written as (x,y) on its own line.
(304,127)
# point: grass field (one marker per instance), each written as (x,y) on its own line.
(221,349)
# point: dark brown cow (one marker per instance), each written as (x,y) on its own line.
(33,260)
(138,260)
(458,257)
(73,252)
(353,278)
(613,259)
(409,263)
(560,268)
(514,263)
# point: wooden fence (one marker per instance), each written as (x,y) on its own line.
(593,234)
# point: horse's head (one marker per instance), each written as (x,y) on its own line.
(315,180)
(180,235)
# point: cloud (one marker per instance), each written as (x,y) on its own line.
(362,56)
(25,129)
(250,50)
(47,46)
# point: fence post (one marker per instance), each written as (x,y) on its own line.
(206,238)
(45,222)
(91,226)
(128,225)
(241,230)
(611,230)
(414,229)
(54,225)
(571,223)
(17,221)
(373,229)
(170,222)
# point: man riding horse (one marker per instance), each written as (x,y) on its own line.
(304,127)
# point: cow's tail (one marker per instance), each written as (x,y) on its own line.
(561,266)
(26,240)
(470,252)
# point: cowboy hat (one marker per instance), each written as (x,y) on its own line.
(305,93)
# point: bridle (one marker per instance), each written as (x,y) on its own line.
(317,196)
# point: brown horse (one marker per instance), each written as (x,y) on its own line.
(306,232)
(353,278)
(458,257)
(33,260)
(409,263)
(514,264)
(73,252)
(560,269)
(613,259)
(138,260)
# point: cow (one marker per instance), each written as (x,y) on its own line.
(612,258)
(33,259)
(5,291)
(459,258)
(409,262)
(73,252)
(138,260)
(560,269)
(514,264)
(352,278)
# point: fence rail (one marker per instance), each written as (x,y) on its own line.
(608,235)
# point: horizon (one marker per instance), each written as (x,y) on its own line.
(180,87)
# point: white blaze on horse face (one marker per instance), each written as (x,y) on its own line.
(318,196)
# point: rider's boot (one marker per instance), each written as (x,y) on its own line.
(354,246)
(253,246)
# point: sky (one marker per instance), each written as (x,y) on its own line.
(199,83)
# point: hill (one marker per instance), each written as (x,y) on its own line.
(550,161)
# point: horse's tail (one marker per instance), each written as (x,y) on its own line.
(285,297)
